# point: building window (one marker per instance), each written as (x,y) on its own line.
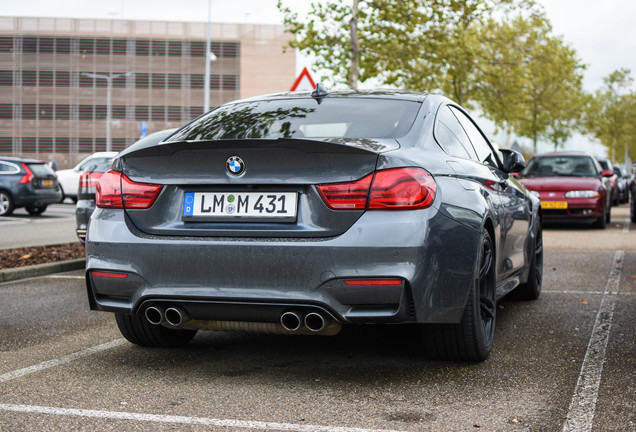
(6,44)
(63,45)
(119,46)
(6,78)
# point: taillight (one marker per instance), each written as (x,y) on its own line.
(28,176)
(391,189)
(346,196)
(115,190)
(88,181)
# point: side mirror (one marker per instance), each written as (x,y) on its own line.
(607,173)
(53,165)
(513,161)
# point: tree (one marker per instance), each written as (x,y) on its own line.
(415,44)
(531,81)
(334,34)
(610,114)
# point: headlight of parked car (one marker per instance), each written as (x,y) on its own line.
(582,194)
(535,193)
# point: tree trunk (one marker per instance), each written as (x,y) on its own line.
(355,49)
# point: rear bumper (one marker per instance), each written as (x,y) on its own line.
(27,195)
(83,211)
(251,279)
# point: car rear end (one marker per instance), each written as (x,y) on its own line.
(85,205)
(293,231)
(37,186)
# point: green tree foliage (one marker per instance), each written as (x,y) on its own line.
(524,79)
(610,114)
(532,82)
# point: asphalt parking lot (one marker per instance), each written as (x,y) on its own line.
(564,362)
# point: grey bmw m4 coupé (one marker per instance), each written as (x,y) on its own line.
(301,213)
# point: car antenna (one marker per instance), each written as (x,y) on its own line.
(320,92)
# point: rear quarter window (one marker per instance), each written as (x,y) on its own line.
(7,168)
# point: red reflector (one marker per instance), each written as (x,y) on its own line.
(115,190)
(391,189)
(109,275)
(373,282)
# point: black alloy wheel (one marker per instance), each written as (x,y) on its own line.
(471,339)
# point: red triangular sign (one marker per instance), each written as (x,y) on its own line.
(304,82)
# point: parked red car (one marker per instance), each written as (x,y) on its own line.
(571,186)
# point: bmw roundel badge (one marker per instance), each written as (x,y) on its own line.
(235,166)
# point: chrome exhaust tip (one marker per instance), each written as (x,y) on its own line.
(291,321)
(315,322)
(155,315)
(176,316)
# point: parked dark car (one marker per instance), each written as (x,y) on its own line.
(572,187)
(299,213)
(27,183)
(88,181)
(608,167)
(622,183)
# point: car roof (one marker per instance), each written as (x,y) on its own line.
(20,159)
(375,93)
(565,153)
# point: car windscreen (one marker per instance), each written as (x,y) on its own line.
(304,118)
(578,166)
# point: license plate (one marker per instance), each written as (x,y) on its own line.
(559,205)
(237,205)
(47,183)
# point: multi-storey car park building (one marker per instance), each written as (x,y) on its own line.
(54,107)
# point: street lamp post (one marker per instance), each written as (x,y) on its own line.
(209,57)
(109,86)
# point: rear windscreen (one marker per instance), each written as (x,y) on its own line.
(40,169)
(304,118)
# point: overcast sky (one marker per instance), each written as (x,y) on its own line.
(603,32)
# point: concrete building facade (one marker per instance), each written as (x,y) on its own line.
(54,90)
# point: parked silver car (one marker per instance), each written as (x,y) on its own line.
(301,213)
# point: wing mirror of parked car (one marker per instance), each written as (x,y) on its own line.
(513,161)
(607,173)
(53,165)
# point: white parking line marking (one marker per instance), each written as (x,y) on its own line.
(581,413)
(234,424)
(59,361)
(626,224)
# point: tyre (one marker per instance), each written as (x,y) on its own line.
(601,222)
(6,204)
(472,338)
(632,209)
(532,288)
(138,330)
(35,210)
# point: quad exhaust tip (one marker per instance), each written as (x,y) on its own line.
(176,316)
(155,315)
(291,321)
